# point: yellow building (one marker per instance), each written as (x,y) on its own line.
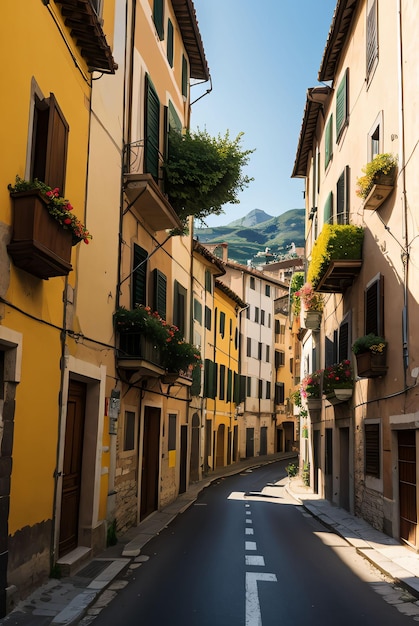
(48,496)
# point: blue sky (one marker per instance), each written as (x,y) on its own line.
(262,56)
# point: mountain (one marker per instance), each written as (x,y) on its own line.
(247,236)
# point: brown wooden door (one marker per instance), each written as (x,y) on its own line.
(73,454)
(183,458)
(407,485)
(150,465)
(194,464)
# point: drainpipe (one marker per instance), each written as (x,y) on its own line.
(405,251)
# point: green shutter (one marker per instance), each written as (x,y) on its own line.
(341,105)
(221,394)
(174,119)
(342,198)
(222,323)
(328,142)
(179,307)
(160,293)
(170,42)
(158,17)
(229,384)
(208,281)
(139,274)
(197,310)
(152,130)
(328,210)
(184,76)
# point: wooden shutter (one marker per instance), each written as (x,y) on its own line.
(158,17)
(242,396)
(56,157)
(221,394)
(139,276)
(343,341)
(279,393)
(328,144)
(184,76)
(372,36)
(342,105)
(222,323)
(152,130)
(329,352)
(328,209)
(268,390)
(260,388)
(374,307)
(207,315)
(179,307)
(197,311)
(160,293)
(372,449)
(229,385)
(342,197)
(169,50)
(208,281)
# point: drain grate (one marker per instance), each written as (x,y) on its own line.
(93,569)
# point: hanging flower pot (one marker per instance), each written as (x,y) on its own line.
(312,319)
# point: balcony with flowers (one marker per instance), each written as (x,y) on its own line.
(371,356)
(45,229)
(152,347)
(336,258)
(311,390)
(338,382)
(312,304)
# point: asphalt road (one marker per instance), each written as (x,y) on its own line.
(246,554)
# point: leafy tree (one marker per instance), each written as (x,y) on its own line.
(203,173)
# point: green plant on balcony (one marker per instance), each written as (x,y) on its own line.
(369,343)
(381,165)
(295,398)
(336,241)
(338,376)
(58,207)
(311,385)
(203,173)
(312,300)
(296,283)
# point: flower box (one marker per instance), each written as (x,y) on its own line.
(370,365)
(39,244)
(312,319)
(339,395)
(314,404)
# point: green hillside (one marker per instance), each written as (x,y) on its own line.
(277,233)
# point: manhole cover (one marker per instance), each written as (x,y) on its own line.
(93,569)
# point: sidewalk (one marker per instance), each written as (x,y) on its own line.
(388,555)
(65,601)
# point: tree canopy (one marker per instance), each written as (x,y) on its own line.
(203,173)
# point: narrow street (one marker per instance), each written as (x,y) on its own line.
(247,554)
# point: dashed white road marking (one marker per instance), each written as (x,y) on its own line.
(249,521)
(248,513)
(255,559)
(253,615)
(248,531)
(250,545)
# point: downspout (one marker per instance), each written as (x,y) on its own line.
(405,251)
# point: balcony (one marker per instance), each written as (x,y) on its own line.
(138,353)
(336,258)
(147,200)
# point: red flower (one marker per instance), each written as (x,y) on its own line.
(67,220)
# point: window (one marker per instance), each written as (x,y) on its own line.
(268,291)
(139,276)
(249,387)
(197,311)
(249,347)
(372,449)
(158,17)
(269,320)
(129,431)
(372,37)
(49,147)
(277,327)
(256,314)
(374,306)
(268,353)
(375,137)
(169,50)
(210,379)
(260,388)
(343,347)
(342,198)
(279,358)
(222,323)
(208,281)
(208,314)
(160,293)
(222,386)
(342,110)
(152,130)
(179,307)
(328,144)
(248,312)
(260,345)
(328,210)
(262,317)
(279,393)
(268,390)
(252,282)
(171,437)
(229,385)
(184,77)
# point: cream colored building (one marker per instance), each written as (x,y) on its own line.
(363,451)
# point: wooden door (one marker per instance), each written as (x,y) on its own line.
(250,442)
(72,467)
(150,465)
(220,446)
(407,485)
(263,440)
(183,458)
(194,463)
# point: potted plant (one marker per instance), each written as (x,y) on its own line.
(338,382)
(44,229)
(371,355)
(311,389)
(313,304)
(380,171)
(336,257)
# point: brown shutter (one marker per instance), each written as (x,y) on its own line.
(56,158)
